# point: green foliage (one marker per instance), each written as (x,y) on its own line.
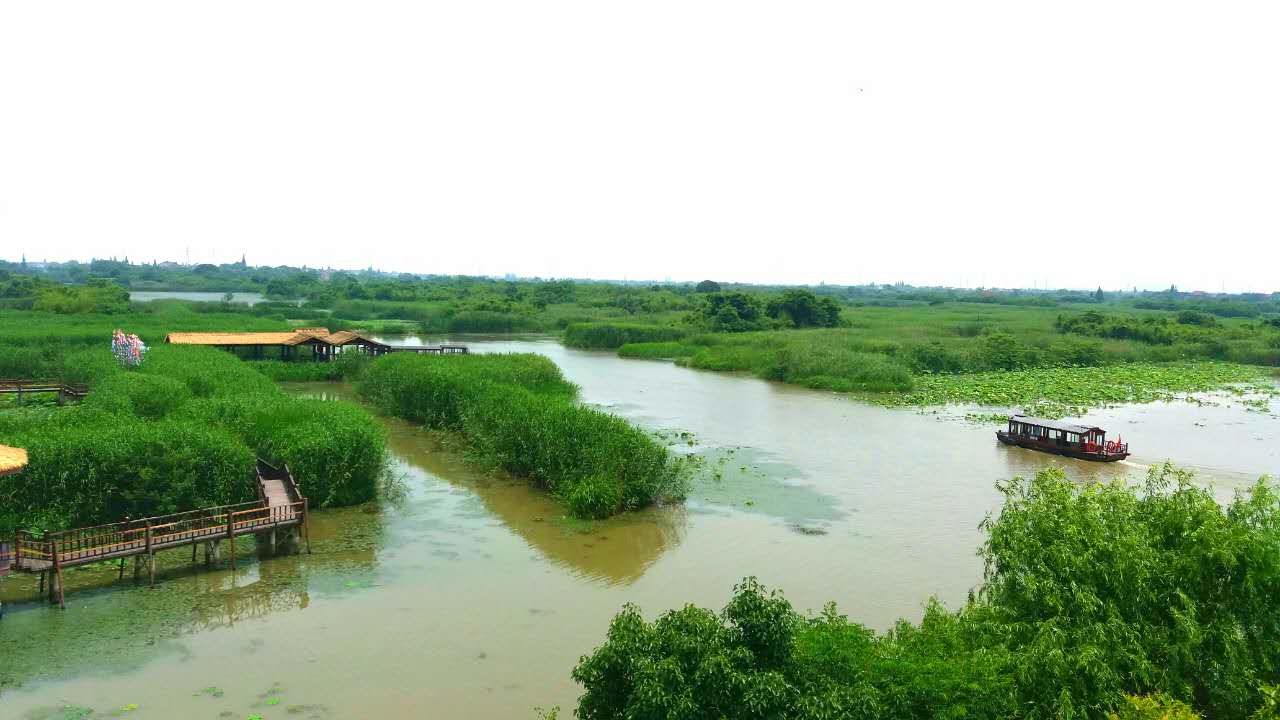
(146,396)
(517,413)
(732,311)
(1099,601)
(657,350)
(491,321)
(98,296)
(595,336)
(86,468)
(180,433)
(1188,333)
(999,350)
(1152,707)
(760,659)
(1104,591)
(345,366)
(1270,709)
(805,358)
(206,372)
(801,308)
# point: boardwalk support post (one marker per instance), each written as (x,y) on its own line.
(306,523)
(231,539)
(151,555)
(57,576)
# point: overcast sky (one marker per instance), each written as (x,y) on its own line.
(959,143)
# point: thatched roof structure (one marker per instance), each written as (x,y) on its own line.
(295,337)
(12,460)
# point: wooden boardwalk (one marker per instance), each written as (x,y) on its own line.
(23,388)
(280,506)
(429,349)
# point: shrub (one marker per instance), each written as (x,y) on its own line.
(802,308)
(84,473)
(145,396)
(999,350)
(1076,353)
(758,658)
(935,358)
(1159,592)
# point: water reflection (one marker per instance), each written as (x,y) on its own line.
(113,625)
(248,298)
(611,551)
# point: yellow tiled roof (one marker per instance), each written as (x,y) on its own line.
(346,336)
(294,337)
(241,338)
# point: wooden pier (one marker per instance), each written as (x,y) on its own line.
(304,344)
(280,506)
(428,349)
(25,388)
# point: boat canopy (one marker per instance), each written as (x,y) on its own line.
(1054,424)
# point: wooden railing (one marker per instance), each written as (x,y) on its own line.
(27,387)
(430,349)
(132,537)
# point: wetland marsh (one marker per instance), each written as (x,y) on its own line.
(475,593)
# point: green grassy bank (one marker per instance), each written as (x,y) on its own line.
(604,335)
(994,355)
(517,413)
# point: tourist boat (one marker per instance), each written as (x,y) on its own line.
(1060,438)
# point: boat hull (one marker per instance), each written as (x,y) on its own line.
(1055,449)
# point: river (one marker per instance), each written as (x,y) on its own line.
(472,597)
(248,298)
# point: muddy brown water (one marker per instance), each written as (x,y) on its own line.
(473,597)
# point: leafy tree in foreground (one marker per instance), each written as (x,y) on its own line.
(1100,601)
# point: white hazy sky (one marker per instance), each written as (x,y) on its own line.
(976,143)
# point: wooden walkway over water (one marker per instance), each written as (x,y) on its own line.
(280,506)
(428,349)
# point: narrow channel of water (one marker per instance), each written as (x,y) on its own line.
(473,597)
(248,298)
